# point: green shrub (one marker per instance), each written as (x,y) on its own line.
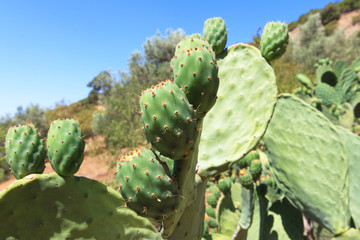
(349,5)
(330,27)
(355,19)
(329,13)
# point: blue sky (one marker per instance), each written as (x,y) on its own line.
(50,50)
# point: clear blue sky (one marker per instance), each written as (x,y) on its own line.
(50,50)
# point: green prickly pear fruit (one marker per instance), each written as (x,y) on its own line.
(210,211)
(196,73)
(190,43)
(225,185)
(215,191)
(246,161)
(25,152)
(255,169)
(245,179)
(274,40)
(168,119)
(205,230)
(65,146)
(215,33)
(146,184)
(211,200)
(212,222)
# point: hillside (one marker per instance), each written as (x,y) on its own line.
(345,22)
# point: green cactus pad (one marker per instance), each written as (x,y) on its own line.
(352,150)
(351,234)
(65,146)
(215,33)
(191,42)
(355,65)
(25,152)
(348,83)
(304,80)
(327,94)
(237,122)
(339,67)
(146,184)
(346,118)
(308,161)
(51,207)
(274,40)
(228,216)
(168,120)
(325,73)
(196,73)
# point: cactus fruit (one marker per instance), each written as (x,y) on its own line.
(146,184)
(255,169)
(168,120)
(25,152)
(225,185)
(211,200)
(274,40)
(215,33)
(210,211)
(304,80)
(215,191)
(245,179)
(196,73)
(65,146)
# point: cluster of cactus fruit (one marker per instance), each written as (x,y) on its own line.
(201,124)
(336,91)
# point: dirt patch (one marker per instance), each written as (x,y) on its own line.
(345,22)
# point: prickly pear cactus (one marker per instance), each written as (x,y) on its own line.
(215,33)
(65,146)
(25,152)
(168,120)
(274,40)
(48,206)
(312,175)
(196,73)
(146,184)
(231,130)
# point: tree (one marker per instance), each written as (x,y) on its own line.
(123,128)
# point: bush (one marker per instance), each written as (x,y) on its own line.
(349,5)
(330,27)
(355,19)
(329,13)
(81,111)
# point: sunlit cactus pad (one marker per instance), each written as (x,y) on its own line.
(25,152)
(50,207)
(246,98)
(308,160)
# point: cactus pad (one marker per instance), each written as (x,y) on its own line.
(274,40)
(237,122)
(65,146)
(63,208)
(146,184)
(168,120)
(196,73)
(25,152)
(215,33)
(312,170)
